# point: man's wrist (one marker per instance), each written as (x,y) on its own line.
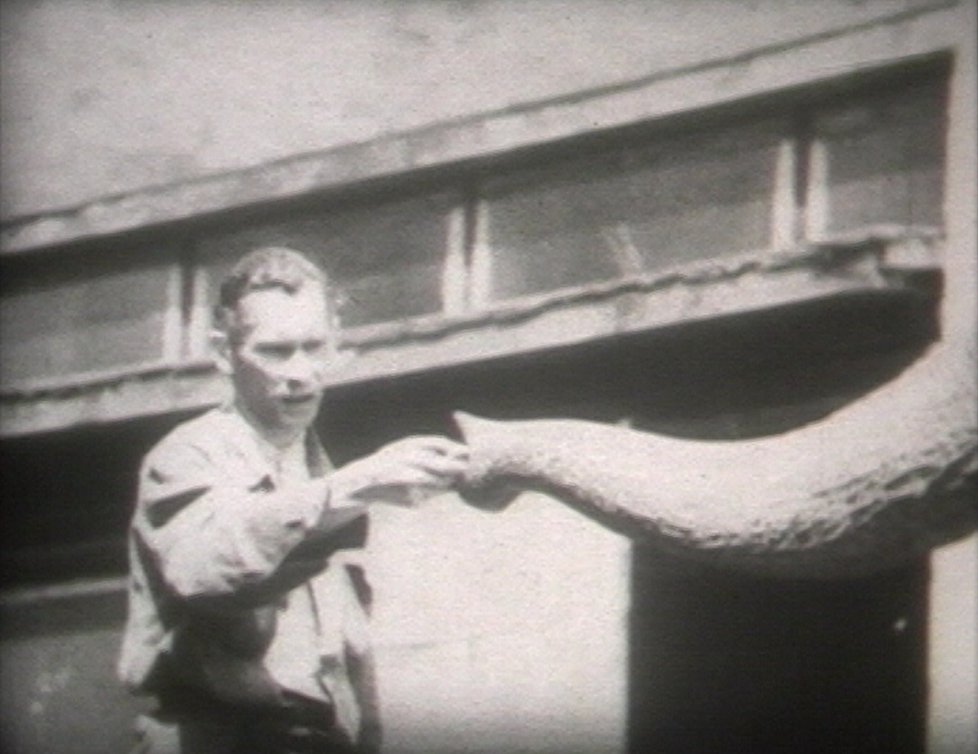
(336,509)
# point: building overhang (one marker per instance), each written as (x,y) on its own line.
(877,265)
(916,33)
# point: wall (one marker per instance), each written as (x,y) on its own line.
(104,96)
(500,632)
(58,691)
(483,626)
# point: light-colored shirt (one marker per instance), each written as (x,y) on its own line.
(241,569)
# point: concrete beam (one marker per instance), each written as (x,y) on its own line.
(718,288)
(803,61)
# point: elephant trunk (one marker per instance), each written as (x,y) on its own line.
(873,485)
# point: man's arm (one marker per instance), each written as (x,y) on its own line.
(212,537)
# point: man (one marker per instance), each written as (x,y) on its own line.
(246,614)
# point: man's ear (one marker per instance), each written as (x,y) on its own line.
(221,346)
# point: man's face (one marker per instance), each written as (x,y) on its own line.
(279,360)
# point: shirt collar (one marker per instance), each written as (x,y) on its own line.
(261,454)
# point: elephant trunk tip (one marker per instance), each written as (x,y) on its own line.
(464,419)
(471,431)
(481,486)
(470,426)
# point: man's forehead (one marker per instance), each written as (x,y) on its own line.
(278,307)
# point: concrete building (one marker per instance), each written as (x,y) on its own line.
(707,219)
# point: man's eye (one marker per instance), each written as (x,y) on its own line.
(276,351)
(314,347)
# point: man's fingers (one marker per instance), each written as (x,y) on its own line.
(426,471)
(442,458)
(439,466)
(436,444)
(442,467)
(450,448)
(403,471)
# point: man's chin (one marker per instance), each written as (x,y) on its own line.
(299,409)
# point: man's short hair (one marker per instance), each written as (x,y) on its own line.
(263,269)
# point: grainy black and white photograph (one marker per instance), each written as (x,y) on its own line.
(488,377)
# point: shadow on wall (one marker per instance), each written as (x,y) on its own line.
(58,690)
(721,662)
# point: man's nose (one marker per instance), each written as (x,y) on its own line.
(302,370)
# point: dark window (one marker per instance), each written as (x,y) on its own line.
(65,316)
(884,158)
(386,259)
(679,199)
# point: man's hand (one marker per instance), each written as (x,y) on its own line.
(403,473)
